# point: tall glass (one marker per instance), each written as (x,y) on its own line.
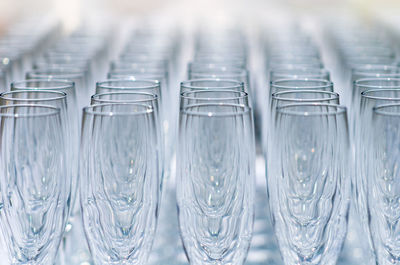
(383,183)
(35,186)
(120,175)
(309,182)
(215,182)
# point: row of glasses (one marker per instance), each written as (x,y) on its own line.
(375,168)
(151,53)
(70,65)
(120,163)
(121,170)
(367,60)
(215,185)
(362,50)
(40,91)
(308,170)
(36,187)
(306,145)
(80,57)
(20,44)
(292,61)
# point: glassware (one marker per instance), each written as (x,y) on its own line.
(34,183)
(299,73)
(188,98)
(215,182)
(126,85)
(211,84)
(289,97)
(77,75)
(309,182)
(301,84)
(139,98)
(361,85)
(374,70)
(20,89)
(119,181)
(364,135)
(382,182)
(238,74)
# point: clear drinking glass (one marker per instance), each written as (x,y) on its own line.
(211,84)
(361,85)
(288,97)
(383,183)
(140,98)
(374,70)
(299,73)
(215,182)
(77,75)
(188,98)
(300,84)
(309,182)
(129,85)
(73,228)
(238,74)
(364,135)
(119,181)
(34,183)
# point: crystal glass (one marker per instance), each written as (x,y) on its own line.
(34,183)
(119,181)
(364,135)
(309,182)
(299,73)
(77,75)
(215,182)
(211,84)
(361,85)
(44,87)
(129,85)
(139,98)
(238,74)
(300,84)
(374,70)
(188,98)
(382,183)
(196,65)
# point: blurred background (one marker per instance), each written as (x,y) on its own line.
(71,12)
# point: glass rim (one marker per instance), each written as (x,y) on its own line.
(107,84)
(235,83)
(72,70)
(326,85)
(223,74)
(90,110)
(276,95)
(52,111)
(365,94)
(242,95)
(61,95)
(246,110)
(136,76)
(62,84)
(133,71)
(193,64)
(361,67)
(377,110)
(300,68)
(94,97)
(282,110)
(358,81)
